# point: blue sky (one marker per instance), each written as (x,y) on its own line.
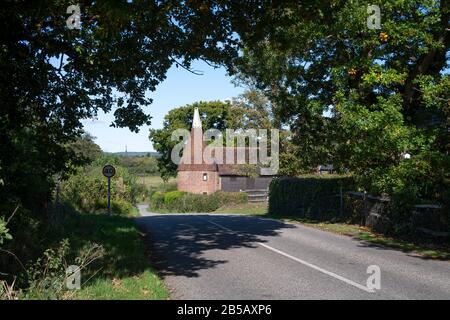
(180,88)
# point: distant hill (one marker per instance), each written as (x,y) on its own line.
(134,154)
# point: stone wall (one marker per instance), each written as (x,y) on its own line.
(374,212)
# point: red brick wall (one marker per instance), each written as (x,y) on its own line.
(192,181)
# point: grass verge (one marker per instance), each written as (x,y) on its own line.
(123,273)
(245,209)
(422,249)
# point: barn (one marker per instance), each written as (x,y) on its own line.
(195,175)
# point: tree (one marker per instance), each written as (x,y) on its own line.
(308,57)
(245,113)
(362,98)
(252,110)
(214,115)
(85,148)
(141,165)
(54,76)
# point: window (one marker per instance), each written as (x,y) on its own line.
(205,177)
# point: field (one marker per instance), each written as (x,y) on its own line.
(151,181)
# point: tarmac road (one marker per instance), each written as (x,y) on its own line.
(207,257)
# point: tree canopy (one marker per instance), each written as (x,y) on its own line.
(375,102)
(385,92)
(85,148)
(249,111)
(54,76)
(372,101)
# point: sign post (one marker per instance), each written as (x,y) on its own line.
(109,172)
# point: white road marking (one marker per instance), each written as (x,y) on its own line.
(329,273)
(220,226)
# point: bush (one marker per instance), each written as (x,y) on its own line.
(195,203)
(171,197)
(157,200)
(23,238)
(162,187)
(183,202)
(86,189)
(422,179)
(227,198)
(314,197)
(118,206)
(4,235)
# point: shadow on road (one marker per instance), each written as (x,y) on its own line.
(179,244)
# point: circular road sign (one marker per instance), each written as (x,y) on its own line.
(109,171)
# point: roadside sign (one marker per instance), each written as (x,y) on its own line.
(109,171)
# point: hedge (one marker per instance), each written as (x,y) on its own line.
(314,197)
(182,202)
(157,200)
(86,189)
(118,206)
(170,198)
